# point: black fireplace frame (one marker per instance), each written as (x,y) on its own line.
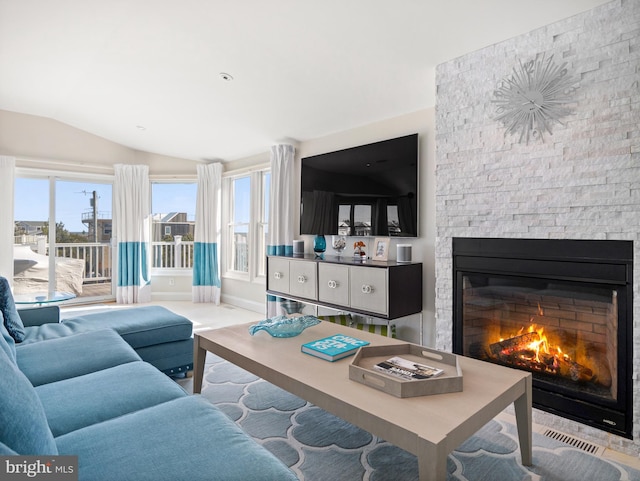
(602,262)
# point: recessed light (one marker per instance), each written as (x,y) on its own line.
(225,76)
(141,127)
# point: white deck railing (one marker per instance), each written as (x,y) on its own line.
(173,255)
(97,256)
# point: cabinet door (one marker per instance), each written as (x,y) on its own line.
(333,284)
(303,279)
(369,289)
(278,274)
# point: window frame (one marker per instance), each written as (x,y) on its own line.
(257,225)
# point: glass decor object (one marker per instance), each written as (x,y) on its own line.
(338,243)
(292,307)
(282,326)
(319,244)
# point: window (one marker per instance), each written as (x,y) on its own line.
(63,234)
(239,226)
(354,219)
(247,224)
(173,220)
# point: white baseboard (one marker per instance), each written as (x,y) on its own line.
(259,307)
(171,296)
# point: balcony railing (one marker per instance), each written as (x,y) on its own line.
(173,255)
(98,258)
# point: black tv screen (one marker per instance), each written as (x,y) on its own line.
(370,190)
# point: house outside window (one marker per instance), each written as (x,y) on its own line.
(173,207)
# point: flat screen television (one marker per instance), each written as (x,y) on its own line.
(369,190)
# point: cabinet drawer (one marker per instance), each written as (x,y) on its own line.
(303,279)
(278,279)
(369,289)
(333,284)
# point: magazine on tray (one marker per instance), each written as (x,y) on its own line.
(405,369)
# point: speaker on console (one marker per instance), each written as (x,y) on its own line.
(404,252)
(298,247)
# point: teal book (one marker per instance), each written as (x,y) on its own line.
(334,347)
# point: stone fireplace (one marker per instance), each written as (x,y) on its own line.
(560,309)
(581,183)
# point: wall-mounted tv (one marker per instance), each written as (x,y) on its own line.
(369,190)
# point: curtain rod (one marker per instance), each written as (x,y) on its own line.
(67,163)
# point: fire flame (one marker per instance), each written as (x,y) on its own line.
(540,351)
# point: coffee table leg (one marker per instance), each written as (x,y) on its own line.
(523,420)
(199,356)
(432,461)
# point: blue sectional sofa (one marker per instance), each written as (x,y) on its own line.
(89,394)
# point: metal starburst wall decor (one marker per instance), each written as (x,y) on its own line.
(535,96)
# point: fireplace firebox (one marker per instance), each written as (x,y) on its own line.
(561,309)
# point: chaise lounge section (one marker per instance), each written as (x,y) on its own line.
(161,337)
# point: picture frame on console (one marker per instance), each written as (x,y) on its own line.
(381,248)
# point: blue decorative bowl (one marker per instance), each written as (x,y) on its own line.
(282,326)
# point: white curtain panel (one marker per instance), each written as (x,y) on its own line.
(206,276)
(7,178)
(131,223)
(281,219)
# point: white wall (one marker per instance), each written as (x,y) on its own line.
(28,138)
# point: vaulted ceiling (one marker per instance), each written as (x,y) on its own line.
(147,73)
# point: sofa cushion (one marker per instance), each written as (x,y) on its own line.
(7,344)
(12,320)
(67,357)
(104,395)
(54,330)
(23,425)
(140,326)
(186,438)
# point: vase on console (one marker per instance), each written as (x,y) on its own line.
(319,245)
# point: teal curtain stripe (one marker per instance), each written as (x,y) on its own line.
(132,264)
(205,264)
(280,250)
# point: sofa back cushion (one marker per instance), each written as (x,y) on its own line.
(7,344)
(12,320)
(23,424)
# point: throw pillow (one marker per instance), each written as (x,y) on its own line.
(12,320)
(7,343)
(23,424)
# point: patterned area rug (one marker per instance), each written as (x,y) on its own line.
(318,446)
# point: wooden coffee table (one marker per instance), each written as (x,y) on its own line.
(428,426)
